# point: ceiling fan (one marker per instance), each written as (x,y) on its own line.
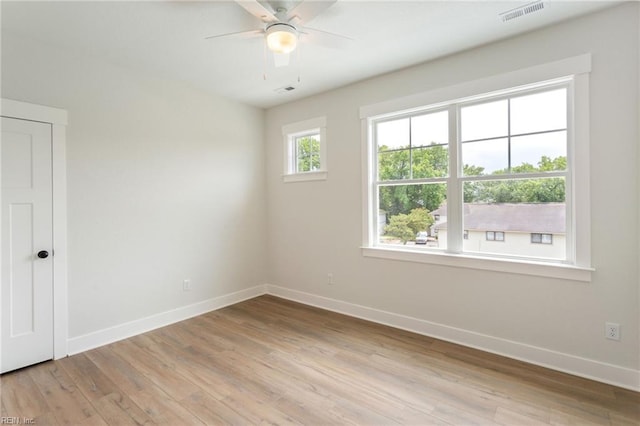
(283,26)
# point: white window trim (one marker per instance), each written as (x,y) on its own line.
(301,128)
(580,251)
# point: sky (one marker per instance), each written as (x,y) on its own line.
(538,112)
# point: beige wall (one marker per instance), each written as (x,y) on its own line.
(165,183)
(316,227)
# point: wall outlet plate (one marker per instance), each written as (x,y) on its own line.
(612,331)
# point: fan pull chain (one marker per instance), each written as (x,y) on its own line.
(264,62)
(298,53)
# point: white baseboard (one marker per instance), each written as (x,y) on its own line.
(129,329)
(567,363)
(583,367)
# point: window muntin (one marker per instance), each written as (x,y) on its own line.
(499,151)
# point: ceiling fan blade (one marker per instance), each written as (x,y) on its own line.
(257,10)
(305,11)
(239,35)
(326,39)
(281,59)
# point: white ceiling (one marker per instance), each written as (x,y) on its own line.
(167,38)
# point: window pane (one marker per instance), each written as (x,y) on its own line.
(542,152)
(430,129)
(487,120)
(392,134)
(539,112)
(544,190)
(430,162)
(405,211)
(516,213)
(486,157)
(394,165)
(308,153)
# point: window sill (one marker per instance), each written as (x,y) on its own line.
(307,176)
(513,266)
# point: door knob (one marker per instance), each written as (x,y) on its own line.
(43,254)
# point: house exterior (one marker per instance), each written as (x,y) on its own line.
(520,229)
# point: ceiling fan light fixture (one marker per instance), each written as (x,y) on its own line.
(281,38)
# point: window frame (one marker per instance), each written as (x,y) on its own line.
(291,133)
(541,236)
(575,72)
(497,236)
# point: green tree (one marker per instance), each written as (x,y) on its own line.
(471,190)
(420,220)
(399,227)
(542,190)
(547,164)
(406,226)
(308,154)
(415,163)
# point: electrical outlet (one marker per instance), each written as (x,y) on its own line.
(186,285)
(612,331)
(330,278)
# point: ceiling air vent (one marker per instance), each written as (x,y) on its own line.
(285,89)
(521,11)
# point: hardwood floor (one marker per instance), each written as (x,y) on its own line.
(268,360)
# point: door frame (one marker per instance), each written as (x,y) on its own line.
(58,120)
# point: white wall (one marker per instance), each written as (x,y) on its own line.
(165,183)
(316,227)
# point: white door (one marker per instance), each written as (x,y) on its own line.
(27,239)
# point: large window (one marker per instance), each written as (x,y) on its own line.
(510,172)
(488,176)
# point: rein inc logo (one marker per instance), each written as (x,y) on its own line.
(5,420)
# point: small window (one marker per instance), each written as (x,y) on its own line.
(305,150)
(306,153)
(541,238)
(495,236)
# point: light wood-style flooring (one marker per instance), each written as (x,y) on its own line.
(273,361)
